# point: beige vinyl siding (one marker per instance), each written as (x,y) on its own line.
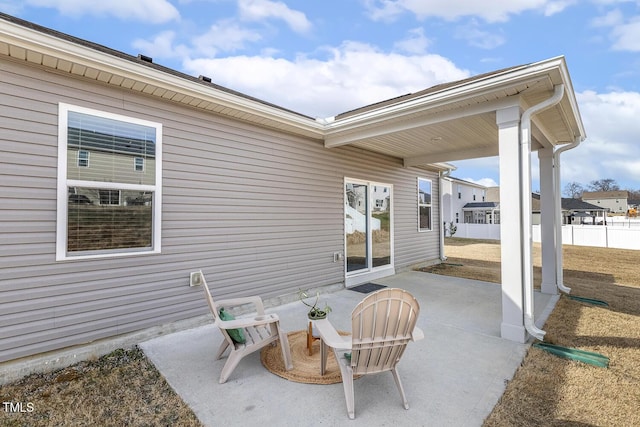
(259,211)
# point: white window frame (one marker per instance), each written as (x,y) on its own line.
(118,202)
(82,159)
(135,164)
(420,204)
(64,183)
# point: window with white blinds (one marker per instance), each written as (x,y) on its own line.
(106,207)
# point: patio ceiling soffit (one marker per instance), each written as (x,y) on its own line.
(458,122)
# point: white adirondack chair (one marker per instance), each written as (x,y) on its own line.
(382,325)
(258,331)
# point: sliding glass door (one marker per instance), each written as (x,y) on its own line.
(368,226)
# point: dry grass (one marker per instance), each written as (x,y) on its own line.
(124,388)
(547,390)
(120,389)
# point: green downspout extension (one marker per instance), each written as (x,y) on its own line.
(589,300)
(588,357)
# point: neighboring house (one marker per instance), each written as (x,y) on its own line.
(481,213)
(576,211)
(100,245)
(381,198)
(91,152)
(460,199)
(613,201)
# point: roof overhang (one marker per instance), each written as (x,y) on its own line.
(427,129)
(459,121)
(64,54)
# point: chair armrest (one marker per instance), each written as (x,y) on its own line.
(255,300)
(417,334)
(245,322)
(330,336)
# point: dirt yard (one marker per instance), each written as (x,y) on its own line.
(548,390)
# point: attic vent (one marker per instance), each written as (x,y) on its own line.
(145,58)
(205,78)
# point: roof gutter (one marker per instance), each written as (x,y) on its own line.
(558,214)
(72,50)
(526,239)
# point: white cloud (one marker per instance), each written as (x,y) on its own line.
(415,43)
(490,11)
(161,46)
(479,38)
(352,75)
(226,36)
(611,18)
(487,168)
(625,31)
(258,10)
(554,7)
(611,149)
(627,36)
(152,11)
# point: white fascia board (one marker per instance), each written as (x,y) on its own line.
(467,183)
(357,130)
(528,73)
(437,166)
(570,95)
(444,166)
(65,50)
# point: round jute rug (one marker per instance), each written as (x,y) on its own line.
(306,369)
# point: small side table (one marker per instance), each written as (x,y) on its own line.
(311,338)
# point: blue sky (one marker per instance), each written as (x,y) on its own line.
(325,57)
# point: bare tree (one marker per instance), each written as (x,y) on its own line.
(634,194)
(606,184)
(573,190)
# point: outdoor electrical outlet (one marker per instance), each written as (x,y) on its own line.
(337,256)
(195,278)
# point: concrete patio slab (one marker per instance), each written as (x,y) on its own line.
(454,377)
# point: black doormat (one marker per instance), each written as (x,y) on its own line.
(365,288)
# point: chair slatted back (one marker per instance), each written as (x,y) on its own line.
(214,310)
(381,327)
(210,301)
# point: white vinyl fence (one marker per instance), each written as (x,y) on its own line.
(622,235)
(478,231)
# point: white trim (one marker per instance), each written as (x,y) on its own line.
(87,159)
(50,45)
(362,277)
(419,204)
(135,168)
(64,183)
(371,272)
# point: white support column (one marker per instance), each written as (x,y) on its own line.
(511,245)
(548,224)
